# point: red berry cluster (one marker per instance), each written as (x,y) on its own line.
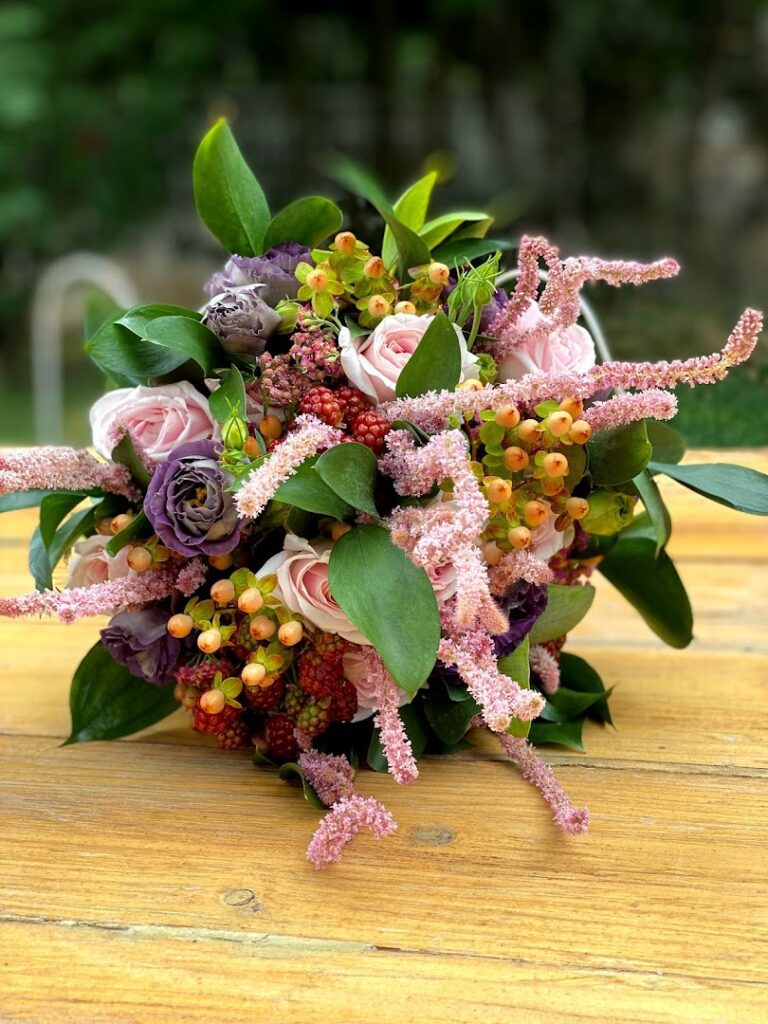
(322,402)
(351,408)
(371,429)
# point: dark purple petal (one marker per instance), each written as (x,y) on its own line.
(140,640)
(275,270)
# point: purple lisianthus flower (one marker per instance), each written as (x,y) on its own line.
(241,320)
(274,271)
(141,641)
(188,503)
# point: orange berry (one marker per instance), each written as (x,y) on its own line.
(507,416)
(104,526)
(270,428)
(250,601)
(190,697)
(253,674)
(262,627)
(345,243)
(559,423)
(378,306)
(180,625)
(223,592)
(209,641)
(139,559)
(119,523)
(252,448)
(290,633)
(528,430)
(498,490)
(472,384)
(577,508)
(572,405)
(212,701)
(519,537)
(492,553)
(338,530)
(438,273)
(405,307)
(535,512)
(515,459)
(555,464)
(551,485)
(580,432)
(317,279)
(374,268)
(220,562)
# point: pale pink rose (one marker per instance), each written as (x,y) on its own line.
(356,672)
(91,563)
(159,419)
(443,580)
(564,351)
(302,586)
(374,363)
(546,541)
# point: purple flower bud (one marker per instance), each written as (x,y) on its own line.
(275,271)
(140,641)
(241,320)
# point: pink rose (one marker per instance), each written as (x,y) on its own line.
(92,564)
(546,541)
(159,419)
(302,586)
(374,363)
(569,350)
(356,672)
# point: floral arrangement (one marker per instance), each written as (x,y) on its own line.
(349,510)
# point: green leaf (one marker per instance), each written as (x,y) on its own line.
(655,507)
(733,486)
(350,471)
(290,770)
(411,209)
(566,607)
(53,510)
(617,455)
(577,674)
(449,719)
(229,398)
(127,359)
(30,499)
(651,584)
(517,666)
(126,455)
(75,526)
(466,250)
(412,250)
(139,318)
(308,220)
(107,702)
(577,466)
(436,363)
(228,197)
(189,338)
(307,490)
(419,435)
(566,705)
(137,527)
(564,734)
(439,228)
(668,445)
(389,599)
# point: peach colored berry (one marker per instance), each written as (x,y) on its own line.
(119,523)
(551,485)
(438,273)
(378,305)
(492,553)
(374,268)
(338,530)
(139,559)
(577,508)
(252,448)
(220,562)
(270,428)
(574,406)
(223,592)
(253,674)
(580,432)
(261,627)
(212,702)
(250,601)
(104,527)
(528,430)
(290,633)
(498,490)
(345,243)
(555,464)
(559,423)
(180,625)
(317,279)
(515,459)
(507,416)
(519,537)
(405,307)
(209,641)
(535,512)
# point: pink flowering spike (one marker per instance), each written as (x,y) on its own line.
(532,249)
(536,771)
(547,668)
(63,469)
(191,576)
(342,823)
(518,565)
(623,409)
(331,776)
(310,436)
(394,739)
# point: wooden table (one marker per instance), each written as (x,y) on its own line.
(158,879)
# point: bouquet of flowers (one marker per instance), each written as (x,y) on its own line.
(349,510)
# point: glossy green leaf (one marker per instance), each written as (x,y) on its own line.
(411,209)
(307,490)
(578,674)
(30,499)
(53,509)
(350,471)
(668,445)
(618,454)
(129,360)
(658,514)
(566,705)
(107,702)
(229,199)
(126,455)
(389,599)
(439,228)
(139,318)
(309,221)
(229,398)
(290,771)
(566,607)
(449,719)
(651,584)
(138,527)
(517,666)
(564,734)
(454,252)
(188,338)
(436,363)
(733,486)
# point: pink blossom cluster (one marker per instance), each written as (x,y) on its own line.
(63,469)
(546,666)
(330,775)
(518,565)
(342,823)
(394,739)
(628,408)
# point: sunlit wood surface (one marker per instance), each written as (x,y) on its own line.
(158,879)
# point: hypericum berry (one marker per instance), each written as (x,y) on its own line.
(498,490)
(318,676)
(528,430)
(252,448)
(438,273)
(405,307)
(535,512)
(314,718)
(209,641)
(278,733)
(577,508)
(253,674)
(322,402)
(345,243)
(338,530)
(139,559)
(507,416)
(519,537)
(180,626)
(250,601)
(492,553)
(555,464)
(223,592)
(119,523)
(343,706)
(290,633)
(352,402)
(470,384)
(212,702)
(574,406)
(270,429)
(378,306)
(317,279)
(551,485)
(515,459)
(220,562)
(371,428)
(261,627)
(559,423)
(265,698)
(374,268)
(236,736)
(580,432)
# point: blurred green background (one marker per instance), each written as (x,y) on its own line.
(636,128)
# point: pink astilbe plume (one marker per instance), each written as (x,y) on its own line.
(394,739)
(342,823)
(536,771)
(532,249)
(623,409)
(104,598)
(546,667)
(310,436)
(63,469)
(330,775)
(518,565)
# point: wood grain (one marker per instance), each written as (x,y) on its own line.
(158,878)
